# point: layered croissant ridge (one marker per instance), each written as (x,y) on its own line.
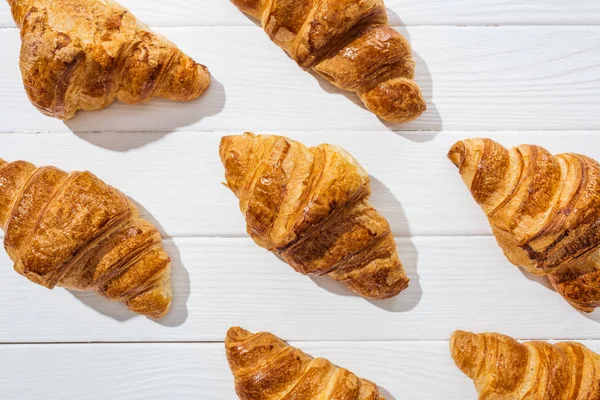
(266,368)
(310,206)
(350,44)
(544,211)
(84,54)
(74,231)
(504,369)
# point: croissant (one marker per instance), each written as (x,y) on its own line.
(310,207)
(266,368)
(350,44)
(504,369)
(544,211)
(84,54)
(73,230)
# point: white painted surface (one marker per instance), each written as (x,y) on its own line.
(456,282)
(515,72)
(474,78)
(194,371)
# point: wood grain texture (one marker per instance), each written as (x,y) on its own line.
(409,12)
(456,283)
(200,371)
(176,177)
(525,81)
(486,78)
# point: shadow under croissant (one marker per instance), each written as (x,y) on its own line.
(386,203)
(100,127)
(543,280)
(431,120)
(386,395)
(180,282)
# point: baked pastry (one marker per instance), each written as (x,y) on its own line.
(266,368)
(544,211)
(84,54)
(349,43)
(73,230)
(504,369)
(310,207)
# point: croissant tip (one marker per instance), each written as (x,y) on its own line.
(397,100)
(456,335)
(159,314)
(456,154)
(236,334)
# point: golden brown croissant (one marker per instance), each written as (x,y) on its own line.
(350,44)
(266,368)
(84,54)
(504,369)
(544,211)
(310,206)
(74,231)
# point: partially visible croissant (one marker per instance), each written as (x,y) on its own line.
(84,54)
(504,369)
(310,206)
(74,231)
(350,44)
(544,211)
(266,368)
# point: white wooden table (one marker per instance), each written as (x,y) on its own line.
(512,70)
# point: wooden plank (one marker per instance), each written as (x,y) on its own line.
(474,78)
(200,371)
(177,177)
(456,283)
(409,12)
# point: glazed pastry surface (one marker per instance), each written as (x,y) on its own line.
(74,231)
(310,207)
(544,211)
(85,54)
(266,368)
(504,369)
(349,43)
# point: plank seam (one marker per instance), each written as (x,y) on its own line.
(209,342)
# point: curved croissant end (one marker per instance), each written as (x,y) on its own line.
(266,368)
(466,349)
(504,369)
(350,44)
(544,211)
(73,230)
(310,206)
(84,54)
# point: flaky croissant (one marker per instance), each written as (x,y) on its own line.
(504,369)
(73,230)
(310,206)
(350,44)
(544,211)
(84,54)
(266,368)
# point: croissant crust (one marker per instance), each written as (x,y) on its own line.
(504,369)
(266,368)
(310,207)
(73,230)
(544,211)
(350,44)
(84,54)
